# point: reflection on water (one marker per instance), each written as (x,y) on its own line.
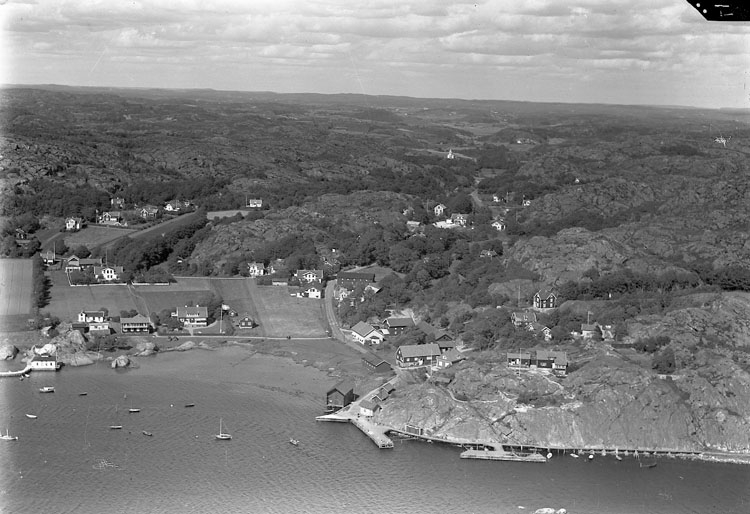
(69,460)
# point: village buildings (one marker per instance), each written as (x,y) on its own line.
(137,323)
(415,355)
(555,361)
(366,334)
(192,316)
(96,321)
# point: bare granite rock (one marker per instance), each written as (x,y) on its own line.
(8,352)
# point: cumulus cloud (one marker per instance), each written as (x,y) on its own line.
(446,41)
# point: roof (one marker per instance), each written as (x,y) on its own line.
(428,329)
(317,272)
(94,313)
(373,359)
(354,275)
(519,355)
(44,357)
(545,293)
(362,328)
(343,387)
(400,322)
(538,327)
(138,318)
(525,316)
(552,355)
(368,404)
(452,355)
(196,311)
(587,327)
(419,350)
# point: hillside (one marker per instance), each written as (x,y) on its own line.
(635,216)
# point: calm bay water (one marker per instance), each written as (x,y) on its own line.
(55,466)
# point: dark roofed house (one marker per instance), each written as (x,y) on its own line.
(351,279)
(544,299)
(448,358)
(375,363)
(433,333)
(384,392)
(523,318)
(247,322)
(413,355)
(397,326)
(340,395)
(192,316)
(137,323)
(519,359)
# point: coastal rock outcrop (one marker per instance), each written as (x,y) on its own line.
(144,349)
(121,361)
(8,352)
(69,346)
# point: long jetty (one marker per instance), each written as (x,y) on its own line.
(376,432)
(16,373)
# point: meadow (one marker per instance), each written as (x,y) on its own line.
(94,236)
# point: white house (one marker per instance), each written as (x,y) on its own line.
(499,225)
(108,273)
(95,320)
(73,223)
(439,208)
(364,333)
(192,316)
(255,269)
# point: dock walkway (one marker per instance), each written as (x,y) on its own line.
(16,373)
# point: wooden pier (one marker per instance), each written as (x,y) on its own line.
(16,373)
(376,432)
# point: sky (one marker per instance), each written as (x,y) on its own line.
(659,52)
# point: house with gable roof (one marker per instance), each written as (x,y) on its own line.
(523,318)
(434,334)
(397,326)
(137,323)
(192,316)
(340,395)
(306,276)
(351,279)
(544,299)
(439,209)
(415,355)
(95,320)
(256,269)
(73,223)
(364,333)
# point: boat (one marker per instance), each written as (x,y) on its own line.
(618,457)
(591,456)
(115,427)
(189,405)
(134,410)
(574,455)
(147,433)
(83,393)
(293,441)
(222,436)
(549,455)
(31,416)
(7,437)
(47,389)
(647,464)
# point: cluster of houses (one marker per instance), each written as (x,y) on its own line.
(103,273)
(342,394)
(97,322)
(457,219)
(556,361)
(116,215)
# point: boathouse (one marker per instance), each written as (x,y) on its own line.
(340,395)
(45,362)
(368,408)
(375,363)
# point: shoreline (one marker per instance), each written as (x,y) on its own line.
(334,361)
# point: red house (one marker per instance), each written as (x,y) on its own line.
(340,395)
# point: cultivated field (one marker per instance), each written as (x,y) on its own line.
(15,286)
(15,293)
(282,315)
(92,237)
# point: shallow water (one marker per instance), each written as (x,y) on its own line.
(68,460)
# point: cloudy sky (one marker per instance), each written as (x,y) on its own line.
(611,51)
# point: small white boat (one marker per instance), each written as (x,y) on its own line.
(618,457)
(83,393)
(147,433)
(591,456)
(31,416)
(295,442)
(574,455)
(7,437)
(47,389)
(115,427)
(134,410)
(222,436)
(549,455)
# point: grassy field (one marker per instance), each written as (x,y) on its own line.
(15,293)
(66,301)
(277,312)
(92,237)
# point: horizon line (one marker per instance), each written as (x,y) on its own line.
(208,89)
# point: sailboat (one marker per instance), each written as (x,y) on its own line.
(7,437)
(222,436)
(115,426)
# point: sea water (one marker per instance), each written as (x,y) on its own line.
(68,460)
